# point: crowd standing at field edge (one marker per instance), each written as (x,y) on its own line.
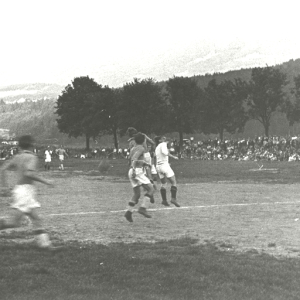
(274,148)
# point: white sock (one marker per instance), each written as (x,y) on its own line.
(130,208)
(144,202)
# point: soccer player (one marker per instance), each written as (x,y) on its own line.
(147,156)
(47,158)
(61,152)
(138,179)
(164,170)
(24,201)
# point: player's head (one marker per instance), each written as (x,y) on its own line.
(139,138)
(131,131)
(159,139)
(26,142)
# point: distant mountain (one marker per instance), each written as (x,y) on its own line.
(40,91)
(34,91)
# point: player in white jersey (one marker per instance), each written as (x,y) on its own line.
(164,170)
(138,179)
(48,158)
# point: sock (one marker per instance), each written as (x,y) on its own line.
(173,191)
(163,193)
(151,197)
(144,202)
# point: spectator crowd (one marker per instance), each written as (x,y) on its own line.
(274,148)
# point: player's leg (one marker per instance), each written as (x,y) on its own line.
(163,181)
(163,191)
(172,180)
(170,175)
(13,221)
(61,160)
(41,236)
(155,177)
(133,201)
(136,195)
(147,197)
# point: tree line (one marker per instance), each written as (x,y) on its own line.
(86,108)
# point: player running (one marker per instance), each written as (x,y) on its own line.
(61,152)
(164,170)
(138,179)
(24,203)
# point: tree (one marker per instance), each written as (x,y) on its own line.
(184,105)
(78,108)
(292,109)
(142,106)
(223,108)
(266,94)
(111,113)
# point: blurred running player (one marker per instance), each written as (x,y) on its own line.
(24,192)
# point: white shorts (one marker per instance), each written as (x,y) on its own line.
(61,157)
(48,160)
(147,158)
(140,177)
(164,170)
(24,198)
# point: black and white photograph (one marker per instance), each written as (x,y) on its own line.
(149,150)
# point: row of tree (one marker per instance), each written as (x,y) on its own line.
(86,108)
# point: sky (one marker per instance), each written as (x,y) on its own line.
(114,42)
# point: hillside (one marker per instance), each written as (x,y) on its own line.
(38,118)
(35,91)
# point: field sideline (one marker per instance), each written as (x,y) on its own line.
(225,205)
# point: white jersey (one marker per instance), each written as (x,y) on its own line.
(47,156)
(162,153)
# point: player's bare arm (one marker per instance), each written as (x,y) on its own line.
(149,140)
(172,156)
(31,176)
(7,165)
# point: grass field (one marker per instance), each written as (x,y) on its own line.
(235,236)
